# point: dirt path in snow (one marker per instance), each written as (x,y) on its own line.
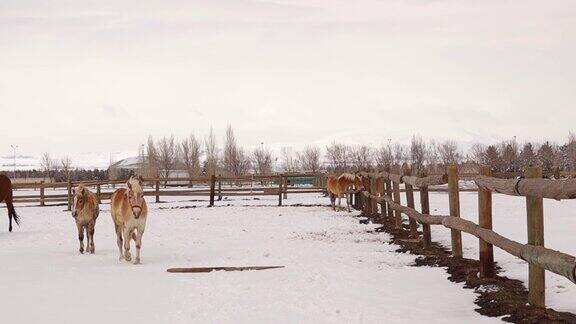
(497,297)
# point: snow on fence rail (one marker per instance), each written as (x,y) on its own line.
(240,186)
(533,187)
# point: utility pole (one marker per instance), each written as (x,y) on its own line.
(14,148)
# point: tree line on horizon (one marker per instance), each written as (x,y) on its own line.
(203,156)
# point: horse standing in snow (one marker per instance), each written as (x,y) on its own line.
(6,195)
(85,210)
(338,186)
(129,212)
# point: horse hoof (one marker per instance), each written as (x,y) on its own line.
(137,261)
(127,258)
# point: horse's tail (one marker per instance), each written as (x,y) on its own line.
(12,212)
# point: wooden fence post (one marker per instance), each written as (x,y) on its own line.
(368,200)
(157,191)
(373,202)
(383,209)
(535,221)
(410,203)
(42,195)
(425,209)
(285,188)
(388,193)
(485,221)
(98,193)
(219,189)
(280,186)
(396,191)
(212,190)
(454,200)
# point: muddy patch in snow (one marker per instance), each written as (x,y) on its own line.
(499,297)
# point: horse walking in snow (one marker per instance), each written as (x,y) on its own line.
(338,186)
(85,210)
(6,195)
(129,212)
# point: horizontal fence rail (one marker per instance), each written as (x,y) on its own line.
(382,189)
(215,187)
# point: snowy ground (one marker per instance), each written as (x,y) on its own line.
(509,219)
(337,271)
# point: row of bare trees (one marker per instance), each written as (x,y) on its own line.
(203,156)
(206,157)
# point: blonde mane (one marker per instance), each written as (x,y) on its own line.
(348,176)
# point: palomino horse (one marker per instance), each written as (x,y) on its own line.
(6,196)
(338,186)
(129,212)
(85,210)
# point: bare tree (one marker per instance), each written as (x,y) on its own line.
(362,157)
(433,157)
(262,161)
(289,162)
(337,156)
(66,163)
(236,161)
(384,156)
(152,159)
(48,164)
(190,152)
(309,159)
(400,154)
(418,153)
(449,153)
(571,151)
(211,153)
(167,155)
(477,153)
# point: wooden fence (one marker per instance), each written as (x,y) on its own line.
(533,187)
(213,187)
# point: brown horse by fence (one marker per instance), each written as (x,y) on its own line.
(6,196)
(338,186)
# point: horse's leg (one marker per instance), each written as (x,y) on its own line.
(333,201)
(87,233)
(10,221)
(91,226)
(347,201)
(138,240)
(127,235)
(119,240)
(80,236)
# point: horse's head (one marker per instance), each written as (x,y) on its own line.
(80,197)
(358,182)
(135,195)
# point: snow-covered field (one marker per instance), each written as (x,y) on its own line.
(509,219)
(337,270)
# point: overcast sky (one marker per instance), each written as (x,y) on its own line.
(100,76)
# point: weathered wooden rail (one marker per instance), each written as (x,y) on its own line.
(533,187)
(215,187)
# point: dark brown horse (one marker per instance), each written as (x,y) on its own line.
(6,196)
